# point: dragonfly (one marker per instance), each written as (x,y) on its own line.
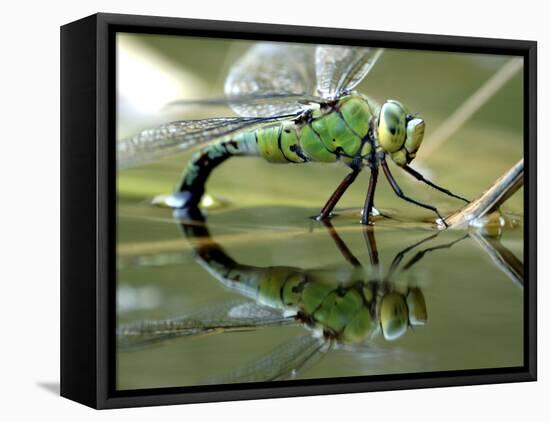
(340,309)
(296,104)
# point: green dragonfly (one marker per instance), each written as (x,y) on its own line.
(295,104)
(344,308)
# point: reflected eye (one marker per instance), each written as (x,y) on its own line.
(393,316)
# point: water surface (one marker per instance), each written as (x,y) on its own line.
(475,313)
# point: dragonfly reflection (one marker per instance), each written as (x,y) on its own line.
(342,309)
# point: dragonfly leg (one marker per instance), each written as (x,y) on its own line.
(417,175)
(400,255)
(368,233)
(337,194)
(421,253)
(344,249)
(399,192)
(369,200)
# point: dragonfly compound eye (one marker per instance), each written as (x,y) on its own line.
(416,303)
(415,135)
(392,126)
(394,316)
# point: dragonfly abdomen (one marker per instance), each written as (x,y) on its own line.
(276,144)
(280,144)
(203,162)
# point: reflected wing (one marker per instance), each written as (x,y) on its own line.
(340,69)
(281,71)
(153,144)
(230,317)
(282,363)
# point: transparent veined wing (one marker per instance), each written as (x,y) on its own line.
(164,140)
(340,68)
(229,317)
(282,71)
(251,101)
(281,363)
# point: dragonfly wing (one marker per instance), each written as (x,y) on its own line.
(229,317)
(252,101)
(281,363)
(281,72)
(155,143)
(341,68)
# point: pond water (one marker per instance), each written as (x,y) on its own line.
(474,309)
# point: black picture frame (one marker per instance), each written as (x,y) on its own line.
(88,201)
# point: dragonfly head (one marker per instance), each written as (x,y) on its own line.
(399,133)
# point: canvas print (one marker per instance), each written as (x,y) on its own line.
(293,211)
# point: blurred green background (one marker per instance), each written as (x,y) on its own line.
(475,312)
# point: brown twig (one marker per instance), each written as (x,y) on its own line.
(490,200)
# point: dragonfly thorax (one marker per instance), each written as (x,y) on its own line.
(398,133)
